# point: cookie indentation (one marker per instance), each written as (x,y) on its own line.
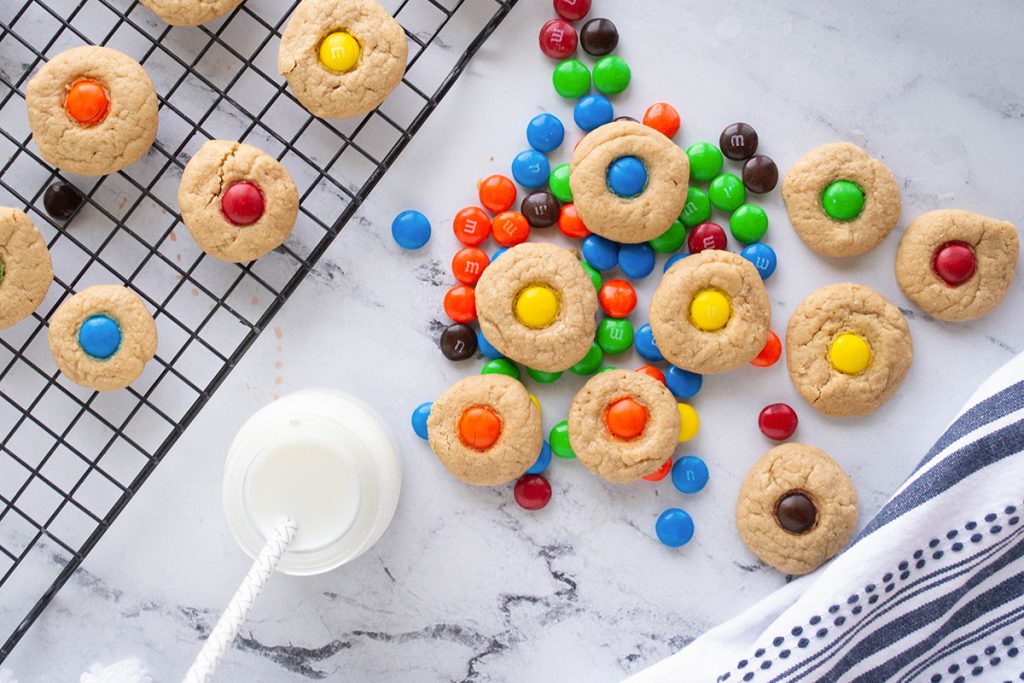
(100,336)
(796,513)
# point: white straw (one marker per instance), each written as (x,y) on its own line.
(238,609)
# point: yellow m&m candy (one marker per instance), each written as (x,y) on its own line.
(710,310)
(850,353)
(537,307)
(689,423)
(339,52)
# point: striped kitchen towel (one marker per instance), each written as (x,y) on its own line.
(931,590)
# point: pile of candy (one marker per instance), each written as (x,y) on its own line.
(548,202)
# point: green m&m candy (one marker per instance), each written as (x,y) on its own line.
(611,75)
(843,200)
(558,439)
(697,208)
(500,366)
(543,377)
(595,276)
(589,364)
(615,335)
(705,161)
(727,192)
(749,223)
(671,240)
(571,79)
(558,181)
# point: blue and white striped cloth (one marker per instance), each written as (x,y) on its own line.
(931,590)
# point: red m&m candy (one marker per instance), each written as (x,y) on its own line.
(558,39)
(770,353)
(510,228)
(663,118)
(661,472)
(954,263)
(468,265)
(472,226)
(242,203)
(497,193)
(618,298)
(532,492)
(570,223)
(572,10)
(460,304)
(706,236)
(777,421)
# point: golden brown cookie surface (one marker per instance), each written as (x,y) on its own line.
(119,137)
(485,430)
(710,312)
(25,267)
(383,50)
(207,182)
(797,508)
(804,191)
(636,219)
(190,12)
(847,349)
(136,343)
(537,306)
(623,425)
(957,265)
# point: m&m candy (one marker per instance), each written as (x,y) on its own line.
(683,383)
(339,52)
(748,223)
(762,256)
(558,182)
(543,460)
(590,363)
(697,208)
(540,208)
(738,141)
(627,177)
(472,226)
(501,366)
(676,258)
(593,111)
(601,253)
(536,306)
(532,492)
(531,169)
(705,161)
(689,422)
(710,310)
(497,193)
(558,39)
(595,277)
(572,10)
(636,260)
(242,203)
(460,304)
(626,418)
(771,352)
(663,118)
(570,224)
(615,335)
(661,472)
(954,263)
(618,298)
(645,345)
(510,228)
(611,75)
(100,336)
(671,240)
(559,440)
(760,174)
(689,474)
(545,132)
(410,229)
(87,102)
(706,236)
(458,342)
(599,37)
(652,372)
(543,377)
(486,347)
(843,200)
(674,528)
(419,419)
(468,265)
(571,79)
(727,192)
(479,427)
(777,421)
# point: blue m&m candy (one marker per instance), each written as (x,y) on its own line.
(545,132)
(683,383)
(419,419)
(645,345)
(627,177)
(100,336)
(497,253)
(543,460)
(689,474)
(531,169)
(674,527)
(485,347)
(410,229)
(674,260)
(600,253)
(762,256)
(636,260)
(593,111)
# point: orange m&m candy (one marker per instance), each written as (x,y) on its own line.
(663,118)
(570,223)
(479,427)
(87,102)
(511,228)
(652,372)
(497,193)
(472,226)
(460,304)
(468,265)
(770,353)
(626,418)
(661,472)
(618,298)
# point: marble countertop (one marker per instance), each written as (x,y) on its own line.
(465,585)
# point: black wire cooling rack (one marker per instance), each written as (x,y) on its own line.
(71,459)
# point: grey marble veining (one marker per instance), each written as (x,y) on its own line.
(465,586)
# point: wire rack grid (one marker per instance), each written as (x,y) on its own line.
(71,459)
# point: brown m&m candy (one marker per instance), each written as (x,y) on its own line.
(599,37)
(738,141)
(796,512)
(62,200)
(458,342)
(540,208)
(760,174)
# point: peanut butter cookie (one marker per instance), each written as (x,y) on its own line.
(190,12)
(25,268)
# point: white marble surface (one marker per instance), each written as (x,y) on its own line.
(465,585)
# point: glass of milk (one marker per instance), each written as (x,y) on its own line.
(323,459)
